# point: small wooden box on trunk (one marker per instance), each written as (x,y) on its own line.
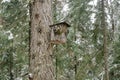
(58,34)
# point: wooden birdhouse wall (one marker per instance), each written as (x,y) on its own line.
(58,37)
(58,33)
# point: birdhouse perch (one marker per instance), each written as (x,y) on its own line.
(59,33)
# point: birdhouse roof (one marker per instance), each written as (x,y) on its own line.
(65,23)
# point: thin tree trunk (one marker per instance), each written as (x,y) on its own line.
(112,22)
(55,11)
(113,25)
(11,62)
(75,57)
(105,42)
(11,66)
(56,62)
(56,49)
(41,63)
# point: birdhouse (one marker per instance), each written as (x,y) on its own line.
(59,33)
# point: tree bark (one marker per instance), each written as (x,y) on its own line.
(41,63)
(105,41)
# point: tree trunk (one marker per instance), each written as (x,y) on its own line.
(41,63)
(105,42)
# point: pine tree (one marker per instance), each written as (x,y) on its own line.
(41,64)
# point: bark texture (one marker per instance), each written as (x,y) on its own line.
(41,63)
(105,41)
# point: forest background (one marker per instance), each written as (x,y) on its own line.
(82,57)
